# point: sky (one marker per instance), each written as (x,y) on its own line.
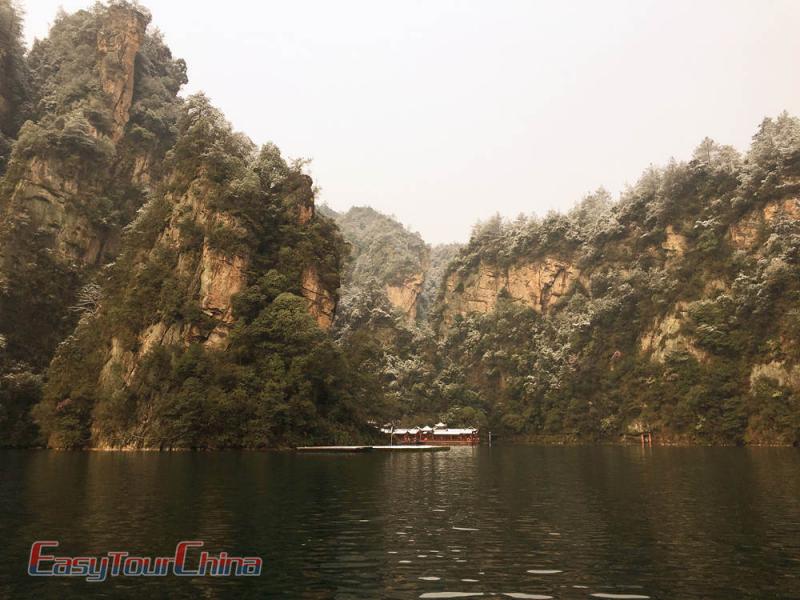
(445,112)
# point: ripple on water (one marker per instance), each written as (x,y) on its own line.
(466,529)
(544,571)
(620,596)
(523,596)
(450,594)
(430,578)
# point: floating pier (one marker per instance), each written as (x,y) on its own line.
(411,448)
(401,448)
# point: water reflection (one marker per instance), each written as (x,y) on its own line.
(502,522)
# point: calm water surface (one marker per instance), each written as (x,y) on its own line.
(503,522)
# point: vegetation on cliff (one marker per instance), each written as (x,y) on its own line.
(165,283)
(674,310)
(14,79)
(203,337)
(100,98)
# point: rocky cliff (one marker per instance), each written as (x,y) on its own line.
(538,284)
(78,171)
(386,256)
(673,309)
(123,246)
(217,255)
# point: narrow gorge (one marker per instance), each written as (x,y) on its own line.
(166,283)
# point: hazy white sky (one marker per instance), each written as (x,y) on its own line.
(445,112)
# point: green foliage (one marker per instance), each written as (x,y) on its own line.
(584,369)
(14,79)
(382,249)
(66,168)
(277,380)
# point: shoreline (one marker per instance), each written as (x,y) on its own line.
(537,442)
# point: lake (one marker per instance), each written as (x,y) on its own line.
(504,522)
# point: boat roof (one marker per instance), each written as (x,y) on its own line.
(428,429)
(461,431)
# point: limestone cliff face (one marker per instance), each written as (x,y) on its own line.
(73,179)
(221,277)
(665,336)
(209,278)
(745,233)
(47,193)
(539,284)
(118,41)
(44,197)
(404,296)
(321,300)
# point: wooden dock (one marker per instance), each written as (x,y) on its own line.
(402,448)
(411,448)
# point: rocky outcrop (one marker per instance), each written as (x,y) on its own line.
(745,233)
(49,197)
(674,243)
(664,336)
(784,375)
(538,284)
(118,41)
(221,277)
(44,198)
(321,301)
(404,296)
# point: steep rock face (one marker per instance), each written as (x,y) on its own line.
(672,310)
(665,336)
(45,197)
(118,42)
(538,284)
(77,173)
(744,234)
(219,282)
(387,257)
(404,296)
(221,277)
(206,278)
(321,300)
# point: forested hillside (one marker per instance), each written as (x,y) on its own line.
(176,275)
(390,282)
(675,309)
(164,283)
(14,79)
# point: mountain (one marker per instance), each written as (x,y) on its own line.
(99,96)
(674,309)
(164,283)
(210,327)
(390,282)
